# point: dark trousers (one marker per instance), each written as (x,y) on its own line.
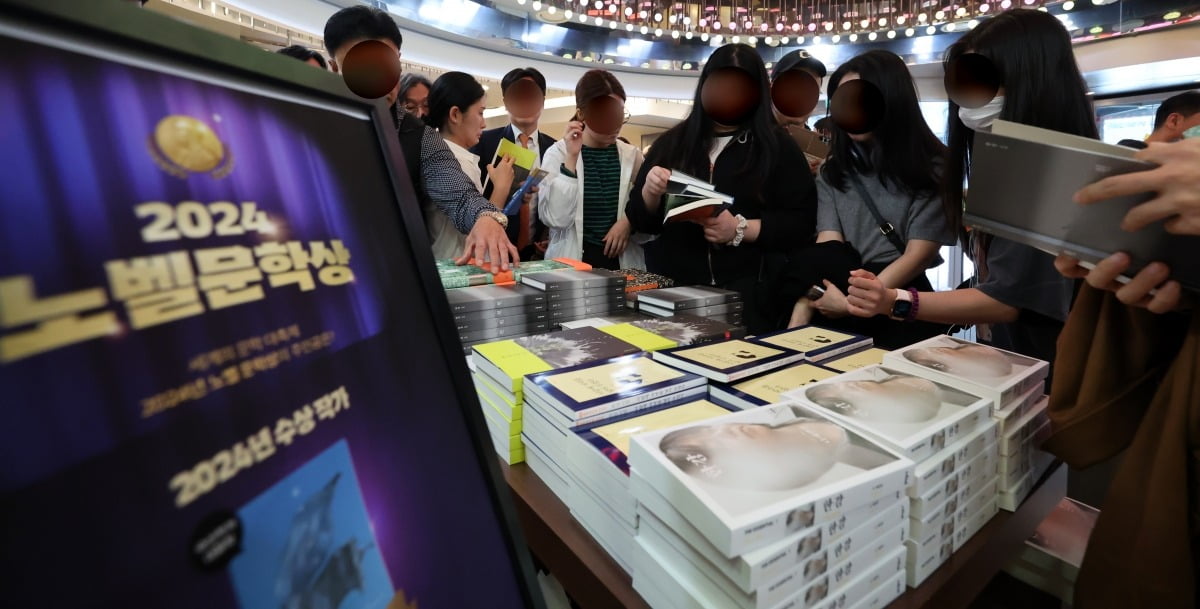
(593,254)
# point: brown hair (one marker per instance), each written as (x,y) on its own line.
(595,84)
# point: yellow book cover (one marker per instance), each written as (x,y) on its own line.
(597,382)
(513,360)
(486,401)
(618,434)
(807,339)
(522,157)
(854,361)
(769,387)
(728,355)
(643,339)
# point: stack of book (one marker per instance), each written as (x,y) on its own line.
(1051,558)
(490,312)
(655,333)
(768,388)
(919,418)
(640,281)
(454,276)
(1014,384)
(778,506)
(861,358)
(561,402)
(729,361)
(499,375)
(573,295)
(701,301)
(598,471)
(816,343)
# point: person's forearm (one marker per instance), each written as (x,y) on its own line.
(903,270)
(753,228)
(499,196)
(651,202)
(969,306)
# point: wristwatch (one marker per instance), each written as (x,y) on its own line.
(905,307)
(740,232)
(495,215)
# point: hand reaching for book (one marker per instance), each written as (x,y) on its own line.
(501,175)
(1150,289)
(1176,180)
(617,238)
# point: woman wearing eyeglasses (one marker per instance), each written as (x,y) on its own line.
(583,200)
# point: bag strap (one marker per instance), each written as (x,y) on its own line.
(885,227)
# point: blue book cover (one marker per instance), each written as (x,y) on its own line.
(816,343)
(611,438)
(309,542)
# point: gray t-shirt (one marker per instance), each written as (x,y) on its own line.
(846,213)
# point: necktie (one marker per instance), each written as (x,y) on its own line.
(523,215)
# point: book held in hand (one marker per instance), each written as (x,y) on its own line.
(689,199)
(744,479)
(728,361)
(1022,182)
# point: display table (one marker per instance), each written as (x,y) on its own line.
(595,581)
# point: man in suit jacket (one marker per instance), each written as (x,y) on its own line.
(524,91)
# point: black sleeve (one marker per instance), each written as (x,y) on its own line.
(789,216)
(485,143)
(641,219)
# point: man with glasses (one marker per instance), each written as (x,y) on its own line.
(436,174)
(524,91)
(414,94)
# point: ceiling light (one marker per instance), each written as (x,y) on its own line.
(672,19)
(891,34)
(687,66)
(902,18)
(983,8)
(909,32)
(768,65)
(732,26)
(882,21)
(703,22)
(816,40)
(687,35)
(687,20)
(521,2)
(551,9)
(1173,15)
(645,30)
(845,25)
(704,37)
(1006,4)
(828,26)
(599,5)
(931,30)
(642,14)
(961,12)
(872,36)
(613,25)
(658,32)
(582,18)
(939,15)
(972,24)
(812,27)
(537,6)
(853,37)
(567,14)
(646,65)
(949,27)
(628,27)
(1068,5)
(753,40)
(737,39)
(922,17)
(628,11)
(795,27)
(837,38)
(658,17)
(568,56)
(675,34)
(716,25)
(864,22)
(1097,30)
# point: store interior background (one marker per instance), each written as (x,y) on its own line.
(1133,52)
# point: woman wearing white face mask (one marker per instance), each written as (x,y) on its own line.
(1017,293)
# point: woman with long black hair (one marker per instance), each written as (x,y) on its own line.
(730,140)
(880,192)
(1017,293)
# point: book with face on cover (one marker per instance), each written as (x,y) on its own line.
(1001,376)
(590,390)
(802,544)
(729,361)
(506,362)
(912,415)
(768,388)
(816,343)
(741,477)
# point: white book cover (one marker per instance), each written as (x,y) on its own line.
(768,388)
(911,414)
(758,568)
(879,598)
(1021,433)
(864,581)
(1001,376)
(1017,409)
(743,477)
(970,525)
(934,470)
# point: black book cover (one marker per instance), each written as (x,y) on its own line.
(570,292)
(591,301)
(502,322)
(540,307)
(688,297)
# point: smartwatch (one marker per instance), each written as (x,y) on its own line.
(904,307)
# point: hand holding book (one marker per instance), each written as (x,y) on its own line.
(501,176)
